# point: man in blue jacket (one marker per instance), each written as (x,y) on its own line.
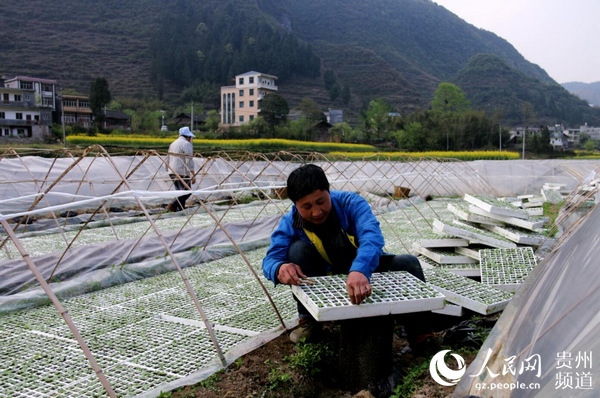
(329,232)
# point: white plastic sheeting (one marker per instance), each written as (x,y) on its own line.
(63,181)
(108,193)
(100,265)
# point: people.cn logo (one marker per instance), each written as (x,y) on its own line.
(442,374)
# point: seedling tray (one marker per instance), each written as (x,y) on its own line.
(462,212)
(495,206)
(535,211)
(444,256)
(472,269)
(517,235)
(533,203)
(534,222)
(551,196)
(477,297)
(393,293)
(469,252)
(474,235)
(506,269)
(450,310)
(443,241)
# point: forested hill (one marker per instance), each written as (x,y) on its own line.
(182,50)
(501,90)
(587,91)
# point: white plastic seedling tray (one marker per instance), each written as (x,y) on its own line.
(392,293)
(450,310)
(469,252)
(506,269)
(535,211)
(533,223)
(551,196)
(461,211)
(474,235)
(444,256)
(532,238)
(443,241)
(470,294)
(495,206)
(471,269)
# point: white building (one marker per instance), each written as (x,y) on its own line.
(239,103)
(26,106)
(593,132)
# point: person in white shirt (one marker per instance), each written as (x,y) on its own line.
(180,166)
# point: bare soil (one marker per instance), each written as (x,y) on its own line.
(281,369)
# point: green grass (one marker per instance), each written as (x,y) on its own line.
(552,211)
(411,381)
(309,357)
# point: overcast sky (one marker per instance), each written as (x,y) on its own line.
(561,36)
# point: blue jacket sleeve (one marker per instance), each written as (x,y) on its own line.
(281,240)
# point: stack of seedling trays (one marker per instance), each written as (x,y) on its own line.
(326,297)
(500,235)
(441,251)
(473,234)
(463,212)
(468,293)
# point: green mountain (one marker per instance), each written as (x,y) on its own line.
(587,91)
(182,50)
(494,86)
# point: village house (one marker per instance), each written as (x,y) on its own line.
(117,120)
(74,110)
(26,106)
(240,103)
(185,119)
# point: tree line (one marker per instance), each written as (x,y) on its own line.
(448,124)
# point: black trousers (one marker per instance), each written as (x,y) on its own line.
(179,202)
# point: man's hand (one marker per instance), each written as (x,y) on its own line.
(358,287)
(193,180)
(290,274)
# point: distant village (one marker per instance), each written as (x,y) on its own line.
(31,105)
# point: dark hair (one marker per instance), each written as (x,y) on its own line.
(305,180)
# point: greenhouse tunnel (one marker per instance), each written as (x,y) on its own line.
(103,290)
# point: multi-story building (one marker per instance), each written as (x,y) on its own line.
(571,135)
(240,103)
(75,110)
(593,132)
(26,106)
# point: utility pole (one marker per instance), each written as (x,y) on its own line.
(62,116)
(192,119)
(500,135)
(524,134)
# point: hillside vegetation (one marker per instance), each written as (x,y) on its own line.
(497,88)
(586,91)
(183,50)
